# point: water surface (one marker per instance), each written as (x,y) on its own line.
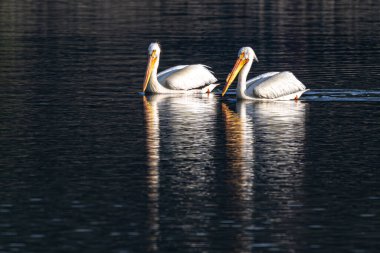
(90,165)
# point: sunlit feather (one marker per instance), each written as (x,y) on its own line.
(268,86)
(190,77)
(179,79)
(276,85)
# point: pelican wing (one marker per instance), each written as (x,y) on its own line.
(161,77)
(189,77)
(274,85)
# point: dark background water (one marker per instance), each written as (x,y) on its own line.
(89,165)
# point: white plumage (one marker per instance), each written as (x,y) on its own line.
(179,79)
(167,72)
(268,86)
(274,85)
(190,77)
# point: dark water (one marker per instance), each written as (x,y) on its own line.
(89,165)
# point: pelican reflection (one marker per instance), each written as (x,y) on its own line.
(180,141)
(268,135)
(239,149)
(153,147)
(181,126)
(239,175)
(265,148)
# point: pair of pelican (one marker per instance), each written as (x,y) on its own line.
(193,79)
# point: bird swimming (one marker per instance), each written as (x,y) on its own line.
(268,86)
(178,79)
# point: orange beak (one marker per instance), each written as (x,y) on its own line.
(240,62)
(152,60)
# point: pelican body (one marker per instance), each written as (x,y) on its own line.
(179,79)
(268,86)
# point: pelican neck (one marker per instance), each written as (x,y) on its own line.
(242,80)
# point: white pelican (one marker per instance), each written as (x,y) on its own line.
(268,86)
(179,79)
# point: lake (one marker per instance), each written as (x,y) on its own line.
(89,164)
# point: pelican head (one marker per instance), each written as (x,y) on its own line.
(154,51)
(246,55)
